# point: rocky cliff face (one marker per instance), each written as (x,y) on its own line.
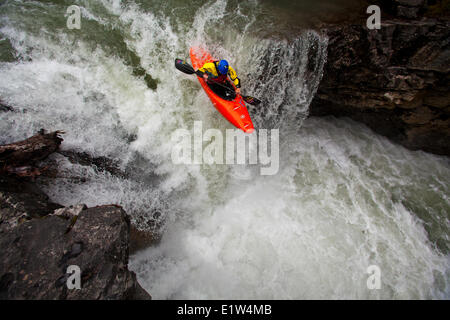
(395,79)
(39,239)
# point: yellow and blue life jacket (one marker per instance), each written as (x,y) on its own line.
(210,68)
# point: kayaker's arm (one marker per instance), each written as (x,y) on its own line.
(234,77)
(209,69)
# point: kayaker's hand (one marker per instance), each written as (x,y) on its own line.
(238,91)
(205,76)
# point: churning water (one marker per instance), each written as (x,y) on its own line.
(343,199)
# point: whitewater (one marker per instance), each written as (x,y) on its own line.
(343,199)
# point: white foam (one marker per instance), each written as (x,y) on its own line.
(309,232)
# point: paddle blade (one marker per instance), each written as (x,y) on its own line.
(251,100)
(183,66)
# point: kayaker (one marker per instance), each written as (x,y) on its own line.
(218,72)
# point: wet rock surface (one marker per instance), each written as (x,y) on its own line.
(395,79)
(141,239)
(36,255)
(40,239)
(101,163)
(21,201)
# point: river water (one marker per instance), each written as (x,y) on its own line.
(343,199)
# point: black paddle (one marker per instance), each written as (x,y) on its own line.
(185,67)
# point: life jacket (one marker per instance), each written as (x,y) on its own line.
(212,70)
(221,78)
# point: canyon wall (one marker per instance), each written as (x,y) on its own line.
(394,79)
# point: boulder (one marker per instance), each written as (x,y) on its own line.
(40,240)
(36,255)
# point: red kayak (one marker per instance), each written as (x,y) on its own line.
(232,108)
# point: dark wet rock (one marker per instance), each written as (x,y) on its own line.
(36,254)
(70,212)
(101,163)
(20,158)
(135,170)
(147,229)
(410,9)
(39,239)
(5,108)
(395,80)
(21,201)
(141,239)
(33,149)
